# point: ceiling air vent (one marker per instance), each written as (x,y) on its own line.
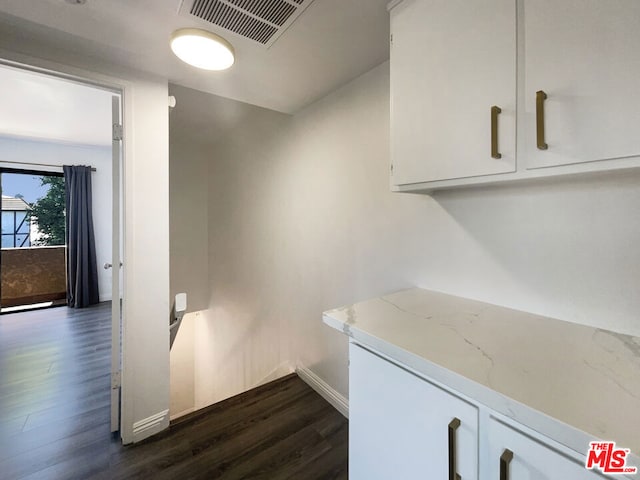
(262,21)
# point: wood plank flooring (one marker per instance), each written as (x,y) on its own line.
(54,416)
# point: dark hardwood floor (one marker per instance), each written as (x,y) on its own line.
(54,416)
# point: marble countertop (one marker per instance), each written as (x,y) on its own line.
(570,382)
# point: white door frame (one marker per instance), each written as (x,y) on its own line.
(116,264)
(145,391)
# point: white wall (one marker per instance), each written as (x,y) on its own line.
(301,219)
(565,249)
(241,340)
(189,222)
(145,359)
(32,151)
(189,246)
(146,248)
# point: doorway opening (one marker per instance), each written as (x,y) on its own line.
(33,255)
(71,357)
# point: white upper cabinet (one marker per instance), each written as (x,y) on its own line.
(585,55)
(451,62)
(564,74)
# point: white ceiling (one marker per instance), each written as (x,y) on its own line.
(332,42)
(39,107)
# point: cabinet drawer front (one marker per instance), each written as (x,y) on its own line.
(451,62)
(399,424)
(531,460)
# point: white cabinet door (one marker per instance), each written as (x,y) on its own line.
(399,424)
(451,61)
(531,460)
(584,54)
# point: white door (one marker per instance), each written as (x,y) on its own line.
(451,62)
(528,459)
(116,300)
(583,54)
(403,427)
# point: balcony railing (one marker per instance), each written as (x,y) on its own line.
(32,275)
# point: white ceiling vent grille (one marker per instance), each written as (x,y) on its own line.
(262,21)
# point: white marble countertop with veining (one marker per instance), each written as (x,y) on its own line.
(570,382)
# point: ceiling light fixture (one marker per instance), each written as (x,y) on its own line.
(202,49)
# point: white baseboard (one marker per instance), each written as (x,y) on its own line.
(150,426)
(338,401)
(285,368)
(104,297)
(182,413)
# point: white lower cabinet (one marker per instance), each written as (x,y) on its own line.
(400,425)
(515,456)
(403,427)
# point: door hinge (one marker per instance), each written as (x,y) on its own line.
(117,131)
(115,380)
(392,169)
(391,39)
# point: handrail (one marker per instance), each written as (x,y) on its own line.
(177,312)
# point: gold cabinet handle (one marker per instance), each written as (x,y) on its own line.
(505,460)
(494,132)
(453,426)
(540,98)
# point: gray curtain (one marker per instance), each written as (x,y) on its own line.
(82,270)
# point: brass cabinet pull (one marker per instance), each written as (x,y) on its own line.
(453,426)
(494,132)
(540,98)
(505,460)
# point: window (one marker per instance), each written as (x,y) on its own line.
(15,229)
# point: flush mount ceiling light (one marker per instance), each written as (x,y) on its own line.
(202,49)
